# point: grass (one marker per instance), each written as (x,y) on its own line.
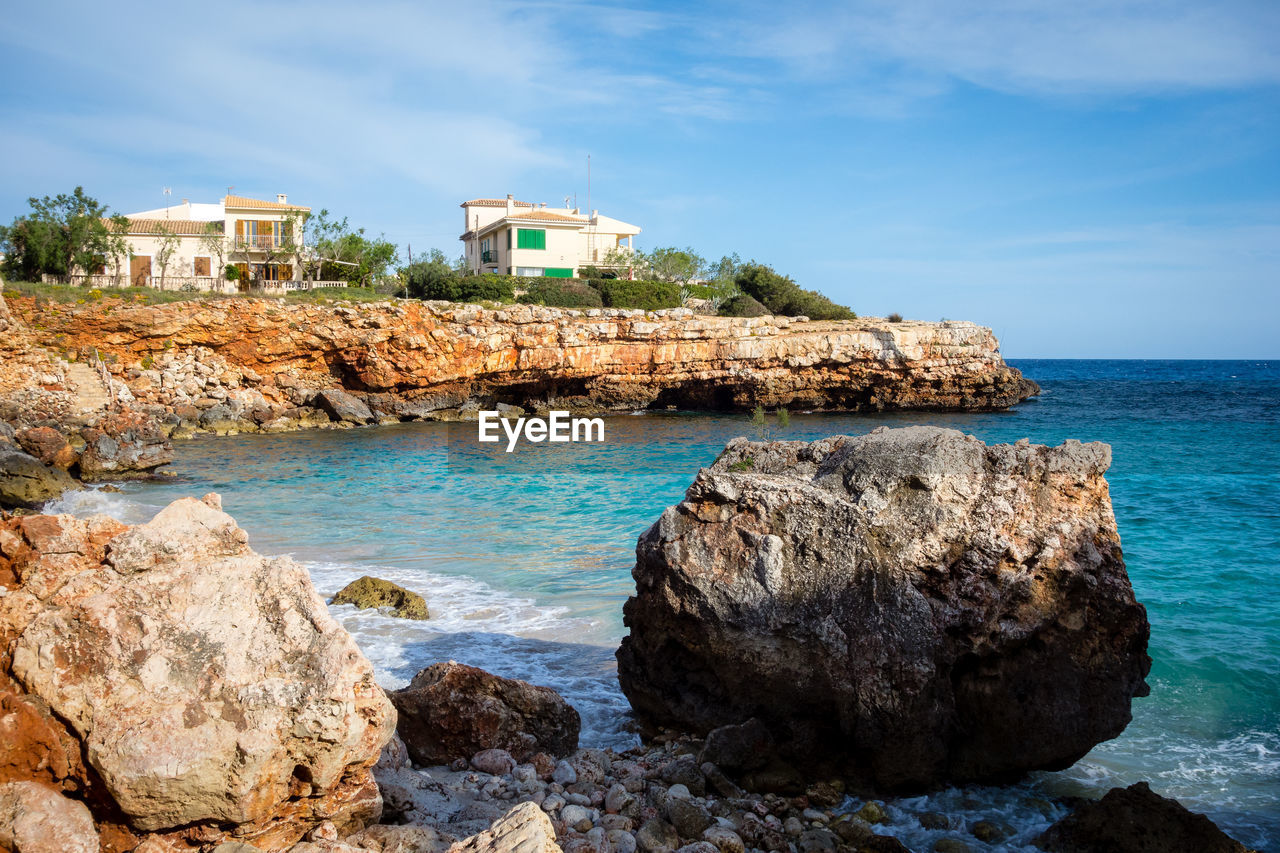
(64,293)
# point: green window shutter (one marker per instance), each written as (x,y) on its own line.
(531,238)
(557,272)
(508,239)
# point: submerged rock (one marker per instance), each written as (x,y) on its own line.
(374,593)
(27,482)
(207,687)
(1136,820)
(450,711)
(907,607)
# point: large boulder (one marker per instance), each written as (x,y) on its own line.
(375,593)
(451,711)
(124,445)
(907,607)
(49,446)
(1136,820)
(207,687)
(524,829)
(342,406)
(27,482)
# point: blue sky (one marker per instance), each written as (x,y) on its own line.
(1091,179)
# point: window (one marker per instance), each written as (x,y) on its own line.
(529,272)
(531,238)
(201,267)
(508,245)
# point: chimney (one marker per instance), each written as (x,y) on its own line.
(594,214)
(282,198)
(511,204)
(542,205)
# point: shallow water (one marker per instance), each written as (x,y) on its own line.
(525,559)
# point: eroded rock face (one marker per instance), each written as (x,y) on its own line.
(1136,820)
(910,606)
(451,711)
(208,688)
(413,360)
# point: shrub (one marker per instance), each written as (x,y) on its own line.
(231,273)
(895,317)
(780,295)
(433,279)
(560,293)
(742,305)
(649,295)
(486,288)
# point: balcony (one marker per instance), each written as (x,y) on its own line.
(489,257)
(259,241)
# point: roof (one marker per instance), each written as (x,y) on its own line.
(538,217)
(494,202)
(181,227)
(242,203)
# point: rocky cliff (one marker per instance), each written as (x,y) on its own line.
(243,365)
(907,608)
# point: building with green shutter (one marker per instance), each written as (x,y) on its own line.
(512,237)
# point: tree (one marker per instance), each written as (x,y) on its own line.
(166,246)
(676,265)
(433,278)
(340,253)
(620,262)
(62,234)
(214,241)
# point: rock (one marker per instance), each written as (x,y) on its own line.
(698,847)
(724,839)
(453,711)
(49,446)
(576,817)
(621,841)
(689,818)
(685,771)
(495,762)
(734,748)
(341,406)
(950,845)
(369,593)
(722,784)
(906,608)
(991,832)
(818,841)
(564,774)
(657,836)
(934,820)
(382,838)
(27,482)
(37,819)
(525,829)
(872,812)
(1136,820)
(124,445)
(221,698)
(882,844)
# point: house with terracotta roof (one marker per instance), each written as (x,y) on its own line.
(190,245)
(512,237)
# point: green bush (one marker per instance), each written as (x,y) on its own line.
(560,293)
(485,288)
(782,296)
(649,295)
(742,305)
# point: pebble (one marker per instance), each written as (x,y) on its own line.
(564,774)
(576,817)
(552,803)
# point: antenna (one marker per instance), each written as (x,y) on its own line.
(588,184)
(168,191)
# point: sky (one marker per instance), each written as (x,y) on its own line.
(1090,179)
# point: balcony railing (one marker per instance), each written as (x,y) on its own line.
(259,241)
(489,257)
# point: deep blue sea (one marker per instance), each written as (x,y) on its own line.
(525,560)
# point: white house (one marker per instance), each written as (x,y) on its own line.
(253,235)
(520,238)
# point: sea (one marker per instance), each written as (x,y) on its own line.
(525,561)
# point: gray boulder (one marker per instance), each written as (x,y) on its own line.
(905,608)
(341,406)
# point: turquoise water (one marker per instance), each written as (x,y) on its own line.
(525,558)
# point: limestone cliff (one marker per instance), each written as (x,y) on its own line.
(260,360)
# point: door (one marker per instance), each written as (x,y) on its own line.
(140,270)
(202,266)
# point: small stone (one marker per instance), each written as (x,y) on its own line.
(553,802)
(495,762)
(679,792)
(617,821)
(621,840)
(698,847)
(576,817)
(657,836)
(818,841)
(689,818)
(950,845)
(617,798)
(872,812)
(564,774)
(813,814)
(793,827)
(990,832)
(725,840)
